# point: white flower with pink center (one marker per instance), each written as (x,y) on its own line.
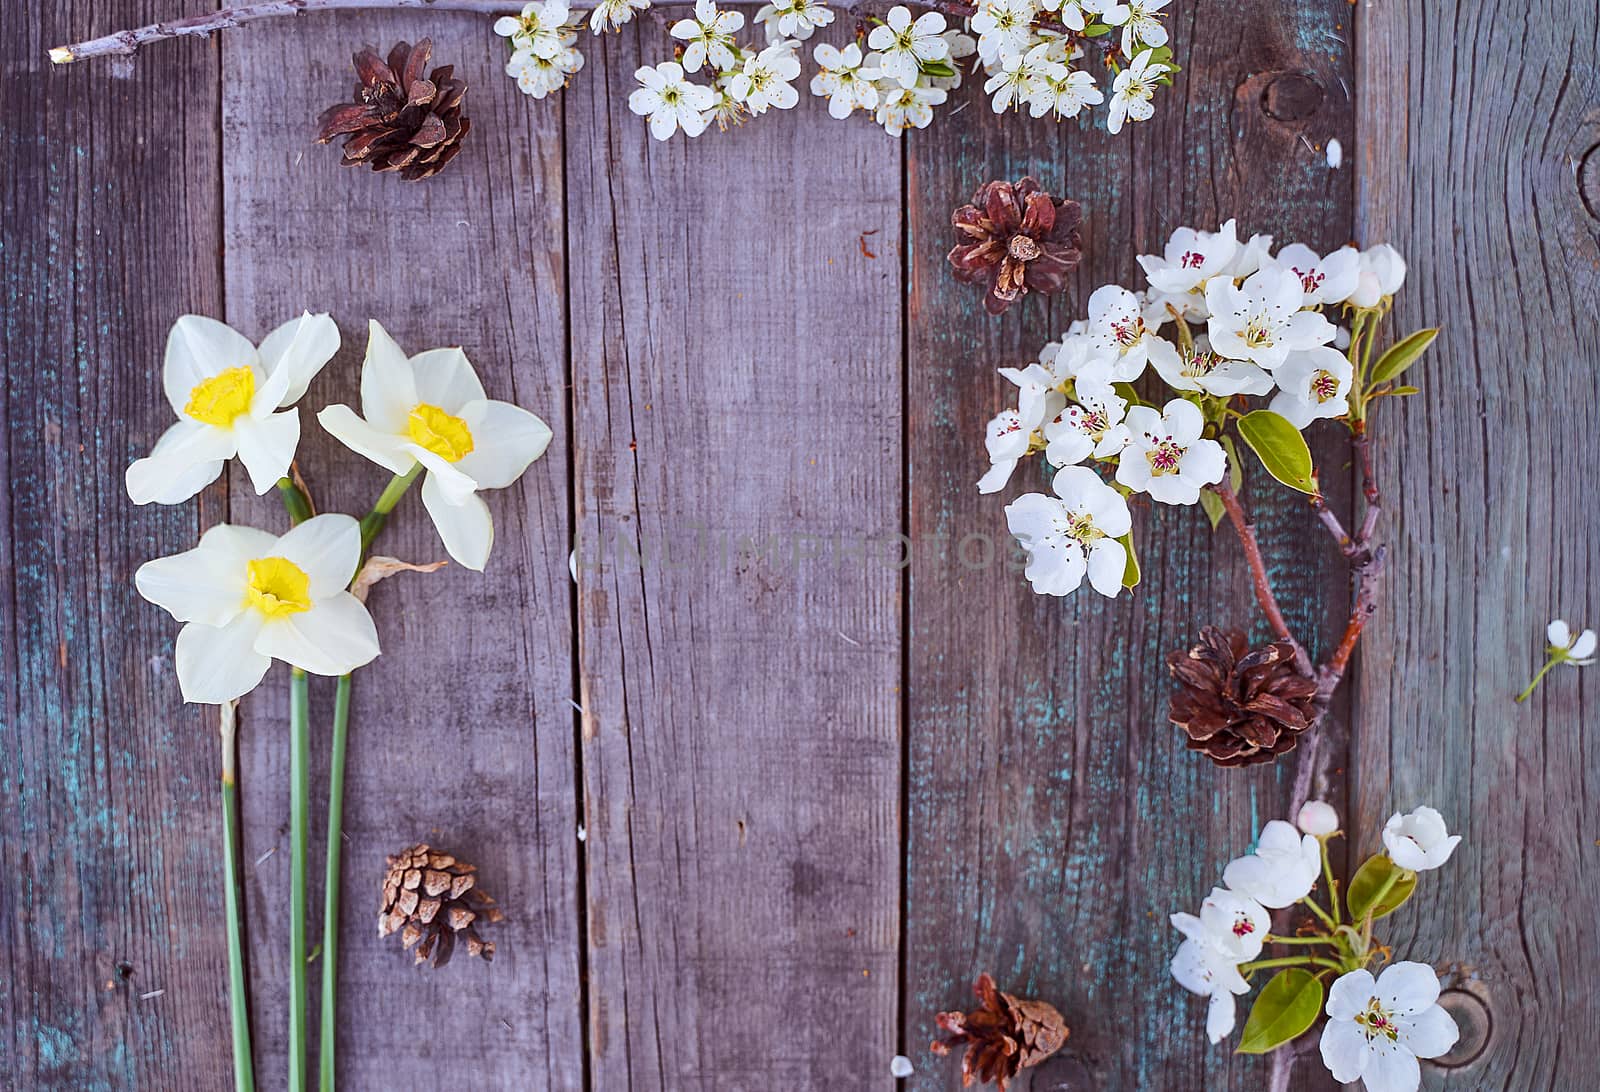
(1116,328)
(1199,369)
(1008,440)
(1378,1028)
(1419,841)
(1166,456)
(1234,924)
(1315,384)
(1090,426)
(1261,320)
(1210,972)
(1282,870)
(1324,280)
(1190,258)
(1073,534)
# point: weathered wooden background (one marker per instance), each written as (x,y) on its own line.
(821,792)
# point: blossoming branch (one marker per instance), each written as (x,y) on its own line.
(897,70)
(1246,356)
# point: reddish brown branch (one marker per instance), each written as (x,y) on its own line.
(1246,530)
(1366,564)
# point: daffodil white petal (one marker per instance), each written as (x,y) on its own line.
(188,457)
(199,348)
(334,637)
(198,585)
(444,474)
(299,349)
(383,448)
(445,378)
(505,439)
(271,392)
(266,448)
(219,663)
(327,548)
(388,385)
(465,527)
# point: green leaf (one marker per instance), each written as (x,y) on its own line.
(939,69)
(1401,355)
(1280,447)
(1371,878)
(1235,465)
(1096,30)
(1126,392)
(1403,391)
(1287,1007)
(1130,571)
(1213,506)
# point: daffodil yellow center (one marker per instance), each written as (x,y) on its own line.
(223,397)
(279,587)
(443,434)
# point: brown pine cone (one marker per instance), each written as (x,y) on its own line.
(431,898)
(1003,1035)
(400,121)
(1017,239)
(1240,705)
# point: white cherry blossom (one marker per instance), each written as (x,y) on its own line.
(670,101)
(1579,649)
(1419,841)
(1197,368)
(1378,1028)
(1140,21)
(1007,440)
(799,19)
(1020,76)
(846,78)
(901,108)
(1234,924)
(1315,385)
(1318,818)
(1004,28)
(1063,92)
(708,36)
(1282,870)
(538,76)
(542,29)
(1132,91)
(613,13)
(1261,320)
(1166,456)
(765,80)
(1073,534)
(904,44)
(1090,426)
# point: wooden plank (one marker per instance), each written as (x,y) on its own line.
(113,970)
(462,734)
(1495,528)
(736,371)
(1055,819)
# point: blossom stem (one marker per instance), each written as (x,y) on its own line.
(1333,884)
(1327,918)
(373,521)
(330,904)
(299,823)
(1271,939)
(238,1001)
(295,501)
(1383,893)
(1268,602)
(1289,961)
(1537,679)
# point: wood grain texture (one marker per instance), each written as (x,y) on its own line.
(462,734)
(736,369)
(1470,162)
(1055,819)
(108,786)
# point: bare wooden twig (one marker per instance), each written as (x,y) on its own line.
(1246,530)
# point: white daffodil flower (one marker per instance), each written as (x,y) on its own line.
(1166,456)
(1261,320)
(1326,280)
(230,398)
(1315,385)
(1318,818)
(1132,91)
(541,29)
(670,101)
(1190,259)
(845,78)
(248,597)
(1234,924)
(709,36)
(1073,534)
(1378,1028)
(905,44)
(1092,425)
(901,108)
(613,13)
(1004,29)
(1579,650)
(1199,369)
(1282,870)
(1203,969)
(431,410)
(1008,440)
(1063,92)
(1116,328)
(799,19)
(1419,841)
(764,81)
(1382,272)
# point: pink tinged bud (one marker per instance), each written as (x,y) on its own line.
(1318,819)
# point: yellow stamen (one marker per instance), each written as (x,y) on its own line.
(279,587)
(223,397)
(445,435)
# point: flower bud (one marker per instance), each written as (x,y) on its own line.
(1318,818)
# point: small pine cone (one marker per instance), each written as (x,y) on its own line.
(1016,239)
(1003,1035)
(400,121)
(1237,704)
(430,899)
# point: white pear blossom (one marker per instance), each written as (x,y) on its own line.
(1073,534)
(542,29)
(1004,28)
(1381,273)
(1378,1028)
(1318,818)
(1008,440)
(1064,92)
(1190,259)
(1579,649)
(901,108)
(1090,426)
(904,44)
(538,76)
(1116,328)
(765,80)
(1315,385)
(1261,320)
(1197,368)
(1326,280)
(1419,841)
(1132,91)
(799,19)
(708,36)
(1166,456)
(670,101)
(1203,969)
(1282,870)
(231,399)
(1252,254)
(846,78)
(248,597)
(1039,397)
(430,409)
(1234,924)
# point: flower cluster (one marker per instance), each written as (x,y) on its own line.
(897,70)
(1377,1028)
(248,597)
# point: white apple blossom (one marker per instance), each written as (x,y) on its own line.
(846,78)
(1073,534)
(1378,1028)
(1261,320)
(1116,328)
(765,80)
(1282,870)
(248,597)
(1133,89)
(1579,650)
(613,13)
(231,399)
(1234,924)
(670,101)
(1315,384)
(542,29)
(1382,272)
(1325,280)
(1008,440)
(1063,92)
(1166,456)
(1197,368)
(708,36)
(1419,841)
(799,19)
(901,108)
(1190,258)
(1318,818)
(904,44)
(1203,969)
(1090,426)
(431,410)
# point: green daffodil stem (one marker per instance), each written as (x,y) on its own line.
(295,501)
(374,520)
(243,1071)
(299,798)
(1539,678)
(330,904)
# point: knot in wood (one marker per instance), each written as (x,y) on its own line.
(1471,1014)
(1589,181)
(1291,96)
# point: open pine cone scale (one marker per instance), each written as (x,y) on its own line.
(402,118)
